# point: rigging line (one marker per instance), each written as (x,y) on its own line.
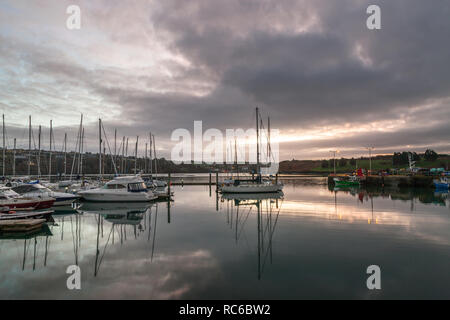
(243,224)
(271,235)
(104,249)
(109,148)
(75,152)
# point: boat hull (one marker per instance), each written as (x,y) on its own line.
(96,196)
(269,188)
(27,215)
(441,186)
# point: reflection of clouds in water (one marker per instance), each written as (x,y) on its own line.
(169,276)
(411,215)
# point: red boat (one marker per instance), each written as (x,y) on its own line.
(14,201)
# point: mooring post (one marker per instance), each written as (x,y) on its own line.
(168,210)
(217,181)
(276,178)
(168,183)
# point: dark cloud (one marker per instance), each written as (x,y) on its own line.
(309,64)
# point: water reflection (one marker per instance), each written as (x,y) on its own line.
(312,242)
(268,207)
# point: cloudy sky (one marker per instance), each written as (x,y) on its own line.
(326,81)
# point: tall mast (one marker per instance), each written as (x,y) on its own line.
(122,166)
(99,147)
(115,145)
(80,144)
(65,154)
(151,158)
(135,155)
(4,146)
(145,159)
(82,150)
(39,151)
(154,153)
(257,140)
(14,158)
(29,145)
(50,155)
(269,148)
(235,157)
(126,157)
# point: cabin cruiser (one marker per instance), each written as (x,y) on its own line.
(13,200)
(129,214)
(39,191)
(120,189)
(258,185)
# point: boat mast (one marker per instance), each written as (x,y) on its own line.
(50,155)
(4,146)
(126,157)
(29,145)
(14,158)
(115,145)
(80,145)
(99,148)
(82,150)
(257,141)
(151,159)
(65,154)
(39,151)
(135,155)
(156,159)
(235,157)
(145,159)
(269,148)
(122,166)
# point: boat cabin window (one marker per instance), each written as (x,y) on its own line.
(137,186)
(2,197)
(25,188)
(115,186)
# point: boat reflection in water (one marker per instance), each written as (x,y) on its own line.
(268,206)
(121,218)
(31,243)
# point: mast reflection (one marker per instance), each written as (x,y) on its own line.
(268,206)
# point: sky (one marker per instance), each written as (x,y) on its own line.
(326,81)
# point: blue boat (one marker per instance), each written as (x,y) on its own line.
(442,184)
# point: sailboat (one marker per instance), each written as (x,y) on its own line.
(258,185)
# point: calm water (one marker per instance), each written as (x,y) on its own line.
(312,243)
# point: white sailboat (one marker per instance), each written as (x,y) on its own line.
(257,185)
(120,189)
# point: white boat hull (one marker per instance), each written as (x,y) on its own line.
(251,188)
(102,196)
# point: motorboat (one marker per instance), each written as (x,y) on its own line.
(12,200)
(346,182)
(130,213)
(39,191)
(120,189)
